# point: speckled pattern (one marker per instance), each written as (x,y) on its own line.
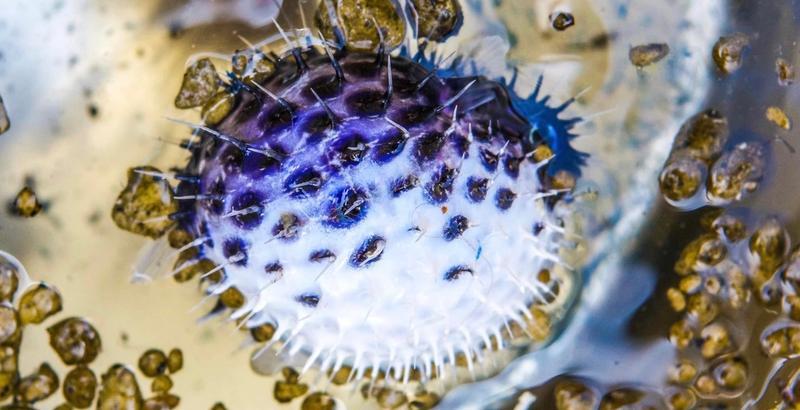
(355,196)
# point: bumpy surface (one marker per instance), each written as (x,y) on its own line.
(376,213)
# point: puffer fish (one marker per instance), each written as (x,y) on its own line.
(375,209)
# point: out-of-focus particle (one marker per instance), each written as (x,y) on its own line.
(538,324)
(240,61)
(175,360)
(561,20)
(731,374)
(9,369)
(38,386)
(682,400)
(200,83)
(232,298)
(778,117)
(153,362)
(391,398)
(9,280)
(162,402)
(783,341)
(424,401)
(705,385)
(727,52)
(736,172)
(435,19)
(716,340)
(217,108)
(145,205)
(681,334)
(574,395)
(80,387)
(318,401)
(26,204)
(705,251)
(341,376)
(785,71)
(621,399)
(770,244)
(161,384)
(38,303)
(263,332)
(703,135)
(646,54)
(119,390)
(75,341)
(178,238)
(5,123)
(9,322)
(64,406)
(187,268)
(286,391)
(702,308)
(681,177)
(360,22)
(690,284)
(729,226)
(262,69)
(682,372)
(676,299)
(218,406)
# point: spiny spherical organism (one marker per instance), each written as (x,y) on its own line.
(373,210)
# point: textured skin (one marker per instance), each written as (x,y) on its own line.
(382,232)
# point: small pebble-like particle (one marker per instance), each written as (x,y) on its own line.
(80,387)
(200,83)
(39,303)
(162,402)
(702,136)
(360,22)
(727,52)
(38,386)
(571,394)
(119,390)
(5,123)
(391,399)
(175,360)
(9,367)
(285,391)
(146,203)
(153,362)
(75,341)
(26,204)
(785,71)
(778,117)
(217,108)
(161,384)
(736,172)
(9,323)
(9,281)
(263,332)
(681,178)
(318,401)
(218,406)
(436,19)
(647,54)
(424,401)
(621,398)
(562,20)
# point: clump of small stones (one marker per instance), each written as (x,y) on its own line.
(701,171)
(726,273)
(647,54)
(77,343)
